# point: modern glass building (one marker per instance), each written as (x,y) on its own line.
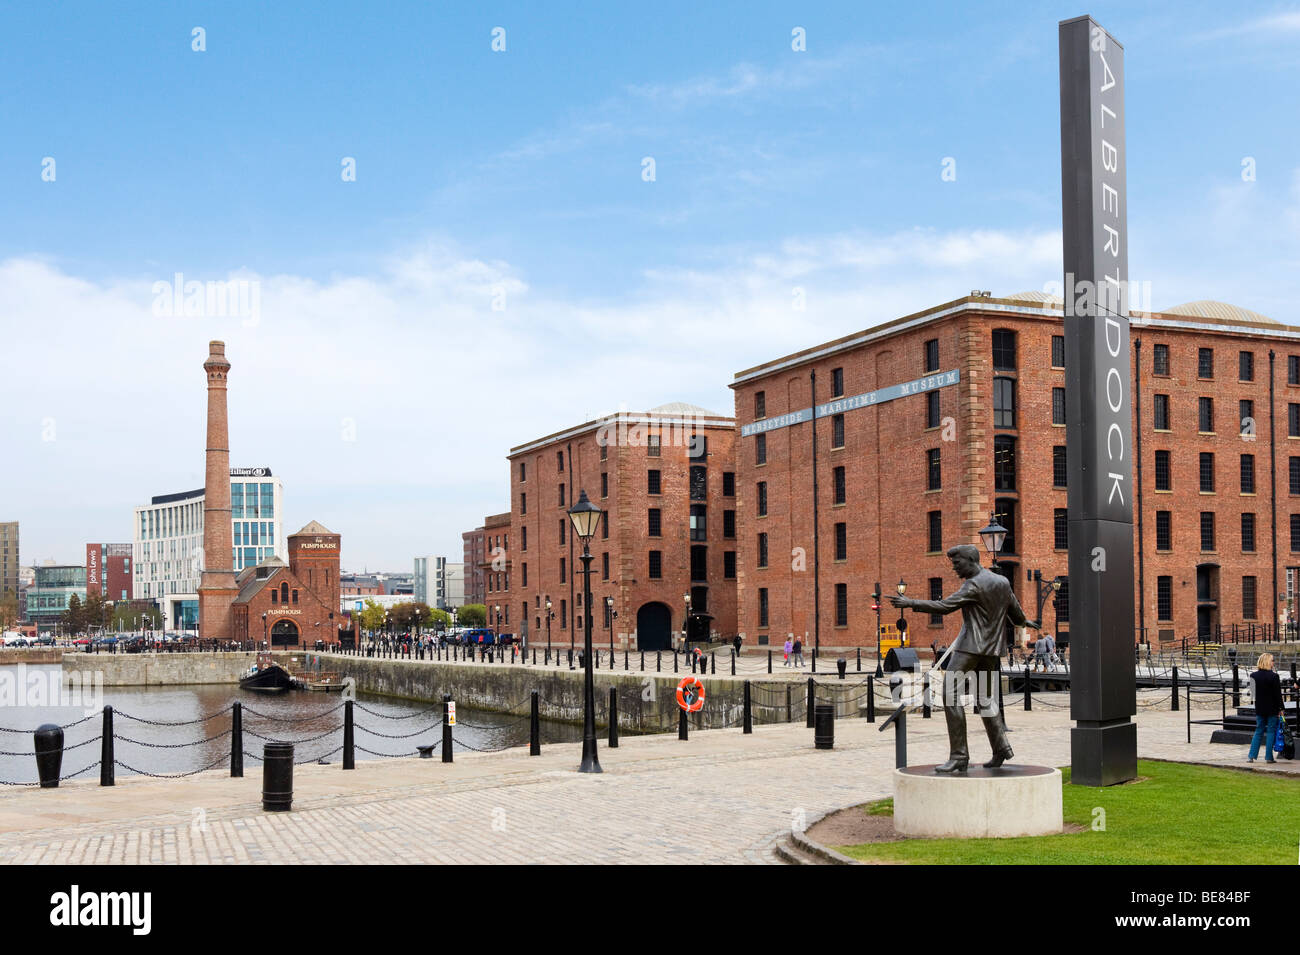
(48,596)
(168,541)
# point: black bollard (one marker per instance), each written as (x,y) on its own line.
(824,733)
(713,663)
(681,724)
(859,659)
(446,728)
(48,746)
(570,659)
(871,699)
(237,741)
(674,661)
(625,667)
(769,661)
(1174,708)
(749,712)
(1236,686)
(534,725)
(277,777)
(814,660)
(659,661)
(613,717)
(349,744)
(106,762)
(733,662)
(810,703)
(546,657)
(789,710)
(843,666)
(1029,693)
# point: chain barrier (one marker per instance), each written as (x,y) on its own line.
(293,719)
(420,731)
(371,752)
(67,726)
(197,742)
(309,739)
(202,769)
(365,709)
(137,719)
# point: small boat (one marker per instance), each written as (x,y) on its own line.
(266,676)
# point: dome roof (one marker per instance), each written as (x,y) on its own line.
(1219,311)
(682,408)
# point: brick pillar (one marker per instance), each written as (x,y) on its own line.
(217,589)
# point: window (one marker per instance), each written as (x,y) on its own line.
(1004,509)
(932,409)
(1164,530)
(729,565)
(1246,412)
(652,446)
(932,355)
(523,471)
(564,614)
(1004,403)
(1160,360)
(837,382)
(729,524)
(1207,530)
(1248,587)
(699,571)
(699,478)
(1248,533)
(1162,413)
(1004,463)
(1295,533)
(1293,369)
(837,431)
(760,404)
(656,565)
(1060,471)
(762,606)
(1205,363)
(1061,529)
(1207,472)
(841,605)
(762,550)
(561,495)
(559,461)
(933,476)
(523,540)
(604,528)
(604,566)
(699,523)
(760,449)
(1058,351)
(1061,602)
(564,575)
(1246,366)
(936,593)
(841,494)
(762,499)
(841,541)
(1248,474)
(1058,406)
(652,481)
(524,573)
(604,451)
(728,483)
(1295,475)
(1293,420)
(563,524)
(936,531)
(1205,414)
(523,503)
(654,528)
(1165,598)
(1004,349)
(1164,480)
(604,484)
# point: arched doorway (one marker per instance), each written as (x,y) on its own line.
(284,634)
(654,627)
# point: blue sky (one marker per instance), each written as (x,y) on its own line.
(516,176)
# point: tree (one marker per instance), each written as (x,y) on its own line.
(8,610)
(371,616)
(436,619)
(472,615)
(94,611)
(74,618)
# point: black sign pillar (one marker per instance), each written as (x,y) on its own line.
(1103,693)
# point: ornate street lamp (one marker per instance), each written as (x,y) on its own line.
(686,623)
(550,615)
(902,616)
(610,614)
(497,608)
(993,537)
(876,596)
(586,518)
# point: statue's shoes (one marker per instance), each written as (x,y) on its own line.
(998,759)
(953,766)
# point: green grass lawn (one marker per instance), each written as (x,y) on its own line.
(1178,814)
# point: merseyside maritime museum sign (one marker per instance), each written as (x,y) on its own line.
(929,383)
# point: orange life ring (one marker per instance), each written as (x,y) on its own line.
(690,694)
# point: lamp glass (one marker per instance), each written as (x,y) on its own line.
(585,516)
(902,588)
(993,536)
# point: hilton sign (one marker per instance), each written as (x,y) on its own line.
(1094,200)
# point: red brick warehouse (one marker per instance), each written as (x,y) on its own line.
(665,480)
(292,605)
(927,424)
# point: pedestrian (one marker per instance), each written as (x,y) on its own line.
(798,652)
(1268,707)
(789,645)
(736,643)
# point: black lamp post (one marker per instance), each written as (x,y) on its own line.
(875,602)
(902,616)
(264,628)
(586,518)
(550,615)
(993,537)
(497,608)
(686,623)
(610,615)
(1046,588)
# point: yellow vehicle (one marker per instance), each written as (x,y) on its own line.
(891,639)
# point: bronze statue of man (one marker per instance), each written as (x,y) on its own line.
(986,602)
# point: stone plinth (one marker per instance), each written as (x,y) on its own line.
(981,803)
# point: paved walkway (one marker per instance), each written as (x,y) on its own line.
(720,797)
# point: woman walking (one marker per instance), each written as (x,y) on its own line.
(1268,708)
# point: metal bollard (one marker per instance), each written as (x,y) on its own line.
(349,743)
(659,661)
(277,777)
(534,725)
(859,659)
(810,703)
(106,761)
(681,724)
(713,663)
(674,661)
(642,661)
(814,660)
(446,728)
(1174,708)
(769,661)
(613,717)
(733,662)
(824,733)
(1236,686)
(1029,692)
(789,714)
(48,747)
(749,712)
(843,666)
(871,699)
(236,741)
(625,666)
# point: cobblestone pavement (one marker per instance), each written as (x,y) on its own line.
(720,797)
